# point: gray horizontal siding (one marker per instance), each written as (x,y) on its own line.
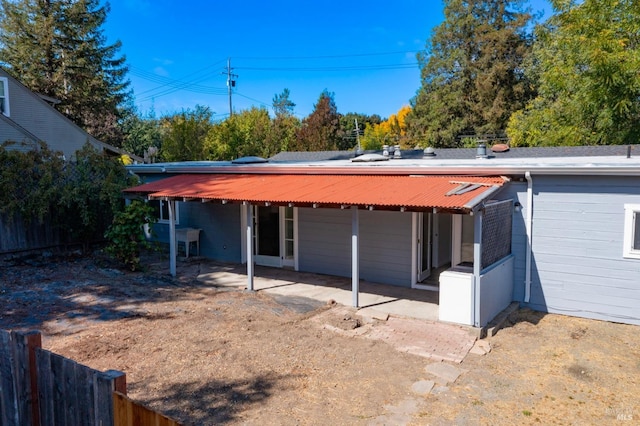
(578,229)
(385,247)
(220,235)
(324,242)
(518,192)
(220,238)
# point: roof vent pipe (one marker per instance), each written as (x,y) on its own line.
(396,153)
(481,152)
(429,152)
(385,150)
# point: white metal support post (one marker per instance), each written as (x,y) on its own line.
(477,264)
(249,245)
(171,204)
(355,256)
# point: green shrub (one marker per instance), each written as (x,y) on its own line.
(126,234)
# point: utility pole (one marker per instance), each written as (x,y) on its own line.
(231,83)
(358,149)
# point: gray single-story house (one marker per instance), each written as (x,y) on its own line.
(554,229)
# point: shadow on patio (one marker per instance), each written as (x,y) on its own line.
(374,299)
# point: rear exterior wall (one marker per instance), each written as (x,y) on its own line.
(324,244)
(577,263)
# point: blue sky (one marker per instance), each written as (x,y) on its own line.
(363,52)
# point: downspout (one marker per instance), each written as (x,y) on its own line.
(172,236)
(528,226)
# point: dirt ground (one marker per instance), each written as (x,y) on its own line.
(207,355)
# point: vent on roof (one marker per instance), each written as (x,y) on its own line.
(367,158)
(481,151)
(250,160)
(500,147)
(429,152)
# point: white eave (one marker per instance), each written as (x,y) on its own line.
(578,166)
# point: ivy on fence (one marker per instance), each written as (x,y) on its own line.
(79,197)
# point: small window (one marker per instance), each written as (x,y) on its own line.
(4,96)
(631,231)
(161,209)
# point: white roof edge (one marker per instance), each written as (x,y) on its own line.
(577,166)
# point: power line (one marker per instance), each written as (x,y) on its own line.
(254,100)
(351,55)
(337,68)
(168,85)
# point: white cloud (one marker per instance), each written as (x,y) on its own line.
(161,71)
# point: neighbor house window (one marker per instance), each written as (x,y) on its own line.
(631,231)
(4,96)
(161,209)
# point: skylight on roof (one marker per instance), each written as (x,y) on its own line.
(250,160)
(367,158)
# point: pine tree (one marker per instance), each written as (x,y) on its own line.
(472,79)
(320,131)
(57,48)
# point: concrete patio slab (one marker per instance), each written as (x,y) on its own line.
(374,299)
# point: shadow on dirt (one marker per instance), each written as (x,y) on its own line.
(62,294)
(216,402)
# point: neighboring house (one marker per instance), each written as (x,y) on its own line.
(555,229)
(27,118)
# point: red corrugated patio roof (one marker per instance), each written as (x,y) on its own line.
(377,191)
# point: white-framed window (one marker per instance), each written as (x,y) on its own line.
(631,231)
(161,209)
(4,96)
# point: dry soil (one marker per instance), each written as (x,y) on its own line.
(207,355)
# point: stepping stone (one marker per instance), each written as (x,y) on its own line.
(446,372)
(423,387)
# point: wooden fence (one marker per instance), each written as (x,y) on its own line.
(130,413)
(18,235)
(39,387)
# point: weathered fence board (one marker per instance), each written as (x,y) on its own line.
(16,234)
(39,387)
(73,394)
(18,388)
(130,413)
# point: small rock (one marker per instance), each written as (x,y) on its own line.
(481,347)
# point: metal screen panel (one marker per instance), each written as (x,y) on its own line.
(496,232)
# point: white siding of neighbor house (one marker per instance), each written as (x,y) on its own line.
(324,241)
(578,267)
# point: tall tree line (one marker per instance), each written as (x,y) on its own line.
(488,70)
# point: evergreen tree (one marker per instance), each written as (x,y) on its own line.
(57,48)
(284,126)
(472,79)
(320,131)
(282,105)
